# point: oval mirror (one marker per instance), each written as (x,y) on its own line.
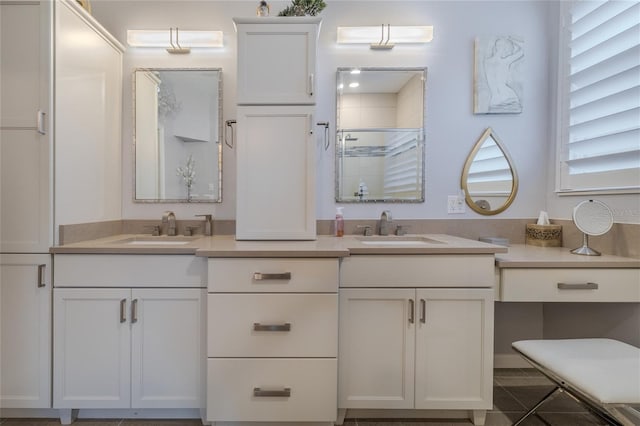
(380,135)
(489,178)
(178,121)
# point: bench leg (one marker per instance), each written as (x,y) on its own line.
(546,398)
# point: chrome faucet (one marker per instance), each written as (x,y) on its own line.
(385,221)
(169,218)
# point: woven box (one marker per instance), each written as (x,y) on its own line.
(544,235)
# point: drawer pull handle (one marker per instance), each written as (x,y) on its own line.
(259,276)
(423,311)
(411,311)
(286,392)
(123,307)
(271,327)
(134,311)
(580,286)
(41,277)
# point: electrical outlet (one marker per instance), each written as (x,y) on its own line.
(455,204)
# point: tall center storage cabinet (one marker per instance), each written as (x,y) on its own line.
(60,85)
(275,149)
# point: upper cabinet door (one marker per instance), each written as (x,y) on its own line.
(24,64)
(276,61)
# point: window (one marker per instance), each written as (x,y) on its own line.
(599,135)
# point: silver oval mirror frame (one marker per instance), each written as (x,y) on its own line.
(489,177)
(177,128)
(380,135)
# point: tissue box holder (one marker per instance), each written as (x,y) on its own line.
(544,235)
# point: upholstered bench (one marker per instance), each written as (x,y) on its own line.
(602,374)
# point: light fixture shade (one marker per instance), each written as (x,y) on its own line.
(397,34)
(162,38)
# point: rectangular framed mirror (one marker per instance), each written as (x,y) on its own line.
(380,134)
(177,128)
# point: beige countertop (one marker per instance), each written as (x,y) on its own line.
(527,256)
(323,246)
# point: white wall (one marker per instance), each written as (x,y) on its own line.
(452,128)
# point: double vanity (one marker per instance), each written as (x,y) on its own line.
(281,330)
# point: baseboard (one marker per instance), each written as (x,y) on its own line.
(53,413)
(509,361)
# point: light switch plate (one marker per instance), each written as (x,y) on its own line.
(455,204)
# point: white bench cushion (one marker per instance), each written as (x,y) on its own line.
(604,369)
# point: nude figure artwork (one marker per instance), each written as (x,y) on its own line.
(498,75)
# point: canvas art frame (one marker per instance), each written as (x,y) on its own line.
(499,75)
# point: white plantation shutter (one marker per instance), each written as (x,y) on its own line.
(600,140)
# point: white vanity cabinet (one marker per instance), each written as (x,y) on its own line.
(272,340)
(410,345)
(128,331)
(277,60)
(25,331)
(275,122)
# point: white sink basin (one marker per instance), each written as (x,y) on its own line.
(156,241)
(404,241)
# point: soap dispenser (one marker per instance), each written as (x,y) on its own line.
(208,224)
(339,225)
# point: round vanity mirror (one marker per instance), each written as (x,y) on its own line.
(591,218)
(489,179)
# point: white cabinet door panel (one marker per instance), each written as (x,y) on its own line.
(276,173)
(454,349)
(276,63)
(91,348)
(166,348)
(376,348)
(25,331)
(25,224)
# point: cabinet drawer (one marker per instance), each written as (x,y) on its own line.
(457,270)
(232,385)
(570,285)
(272,325)
(273,275)
(107,270)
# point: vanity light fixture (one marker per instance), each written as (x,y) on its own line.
(174,41)
(384,37)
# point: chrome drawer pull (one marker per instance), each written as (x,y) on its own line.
(286,392)
(271,327)
(580,286)
(411,311)
(259,276)
(423,311)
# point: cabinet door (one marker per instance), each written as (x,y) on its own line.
(276,63)
(376,348)
(275,174)
(454,349)
(167,348)
(24,31)
(25,333)
(25,224)
(91,348)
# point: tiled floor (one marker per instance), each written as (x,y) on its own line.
(514,391)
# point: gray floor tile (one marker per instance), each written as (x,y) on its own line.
(510,372)
(96,422)
(573,419)
(504,401)
(506,419)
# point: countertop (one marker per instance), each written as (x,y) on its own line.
(323,246)
(527,256)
